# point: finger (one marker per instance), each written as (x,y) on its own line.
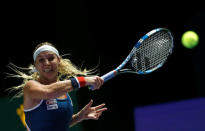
(97,115)
(97,84)
(89,104)
(99,106)
(101,81)
(101,110)
(93,116)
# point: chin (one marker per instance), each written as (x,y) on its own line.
(50,76)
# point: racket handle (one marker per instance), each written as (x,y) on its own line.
(106,77)
(109,75)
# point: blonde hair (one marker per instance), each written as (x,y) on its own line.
(66,70)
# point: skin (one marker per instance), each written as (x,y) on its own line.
(48,87)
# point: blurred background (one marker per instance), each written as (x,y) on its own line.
(103,33)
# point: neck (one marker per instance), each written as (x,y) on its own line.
(47,81)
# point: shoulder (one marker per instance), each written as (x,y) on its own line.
(31,83)
(30,101)
(31,89)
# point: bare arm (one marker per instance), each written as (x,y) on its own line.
(36,90)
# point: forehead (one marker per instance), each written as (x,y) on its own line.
(46,53)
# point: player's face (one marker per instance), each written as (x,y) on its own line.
(47,64)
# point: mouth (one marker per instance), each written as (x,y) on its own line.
(48,70)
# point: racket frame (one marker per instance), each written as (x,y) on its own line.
(119,69)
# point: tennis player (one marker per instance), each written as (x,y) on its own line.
(47,104)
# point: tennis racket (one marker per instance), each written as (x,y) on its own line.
(147,55)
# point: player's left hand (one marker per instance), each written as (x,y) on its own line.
(89,112)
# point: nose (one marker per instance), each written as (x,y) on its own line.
(46,62)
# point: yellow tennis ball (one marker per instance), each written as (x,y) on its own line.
(190,39)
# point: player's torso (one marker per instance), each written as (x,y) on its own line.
(52,115)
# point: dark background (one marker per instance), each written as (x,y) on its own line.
(104,32)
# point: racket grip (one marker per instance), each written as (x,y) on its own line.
(106,77)
(109,75)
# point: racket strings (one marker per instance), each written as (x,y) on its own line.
(153,51)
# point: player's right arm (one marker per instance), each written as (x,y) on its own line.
(36,90)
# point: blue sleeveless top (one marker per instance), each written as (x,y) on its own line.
(50,115)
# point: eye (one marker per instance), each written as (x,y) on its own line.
(50,58)
(41,60)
